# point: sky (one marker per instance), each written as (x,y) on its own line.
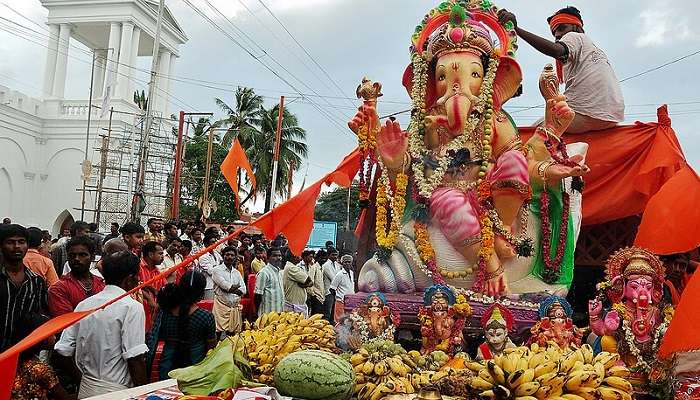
(350,39)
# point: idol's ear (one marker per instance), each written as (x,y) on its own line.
(507,81)
(430,94)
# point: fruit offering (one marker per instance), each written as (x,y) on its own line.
(274,335)
(551,373)
(382,367)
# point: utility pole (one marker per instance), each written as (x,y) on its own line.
(143,154)
(179,150)
(103,166)
(276,153)
(87,166)
(205,197)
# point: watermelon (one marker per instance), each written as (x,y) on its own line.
(314,375)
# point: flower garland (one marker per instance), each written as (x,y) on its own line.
(387,240)
(552,265)
(641,363)
(367,142)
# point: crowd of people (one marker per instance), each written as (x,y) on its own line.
(170,323)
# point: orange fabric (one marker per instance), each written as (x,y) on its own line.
(682,334)
(295,217)
(638,169)
(236,159)
(670,222)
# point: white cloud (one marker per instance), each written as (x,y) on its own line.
(662,23)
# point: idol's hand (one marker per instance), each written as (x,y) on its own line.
(392,143)
(558,115)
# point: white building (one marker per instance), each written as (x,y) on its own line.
(43,141)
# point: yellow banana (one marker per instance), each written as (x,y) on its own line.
(480,384)
(439,375)
(545,368)
(543,392)
(571,396)
(496,372)
(578,366)
(609,393)
(588,393)
(576,381)
(486,375)
(510,363)
(599,368)
(546,378)
(619,370)
(567,363)
(587,352)
(608,359)
(519,377)
(523,362)
(408,385)
(618,383)
(527,389)
(536,359)
(488,394)
(368,367)
(535,347)
(475,366)
(381,368)
(526,398)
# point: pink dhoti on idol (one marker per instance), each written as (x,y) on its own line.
(456,212)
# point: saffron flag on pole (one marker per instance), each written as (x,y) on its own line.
(236,159)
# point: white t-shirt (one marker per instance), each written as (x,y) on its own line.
(224,279)
(104,341)
(343,284)
(330,269)
(592,88)
(207,263)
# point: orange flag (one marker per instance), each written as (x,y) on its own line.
(295,217)
(682,334)
(236,159)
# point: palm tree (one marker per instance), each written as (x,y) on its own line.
(241,120)
(292,151)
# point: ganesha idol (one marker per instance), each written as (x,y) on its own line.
(460,199)
(374,319)
(639,315)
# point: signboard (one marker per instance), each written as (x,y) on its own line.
(322,232)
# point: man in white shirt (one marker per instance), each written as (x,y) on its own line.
(106,350)
(343,284)
(229,287)
(171,258)
(315,293)
(330,269)
(592,89)
(207,263)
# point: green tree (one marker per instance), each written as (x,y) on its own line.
(243,119)
(292,151)
(333,206)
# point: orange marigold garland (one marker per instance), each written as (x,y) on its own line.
(387,240)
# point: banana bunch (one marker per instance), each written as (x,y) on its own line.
(274,335)
(382,368)
(524,373)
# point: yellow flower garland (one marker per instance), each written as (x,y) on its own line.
(398,205)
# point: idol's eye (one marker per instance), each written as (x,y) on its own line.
(476,75)
(441,77)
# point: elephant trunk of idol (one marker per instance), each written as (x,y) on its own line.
(642,324)
(457,106)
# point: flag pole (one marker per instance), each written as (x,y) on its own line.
(276,154)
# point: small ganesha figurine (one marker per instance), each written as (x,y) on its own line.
(555,324)
(373,319)
(442,318)
(639,315)
(497,322)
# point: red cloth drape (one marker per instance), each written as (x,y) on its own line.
(640,169)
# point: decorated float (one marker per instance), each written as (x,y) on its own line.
(469,237)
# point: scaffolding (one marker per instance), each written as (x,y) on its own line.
(112,181)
